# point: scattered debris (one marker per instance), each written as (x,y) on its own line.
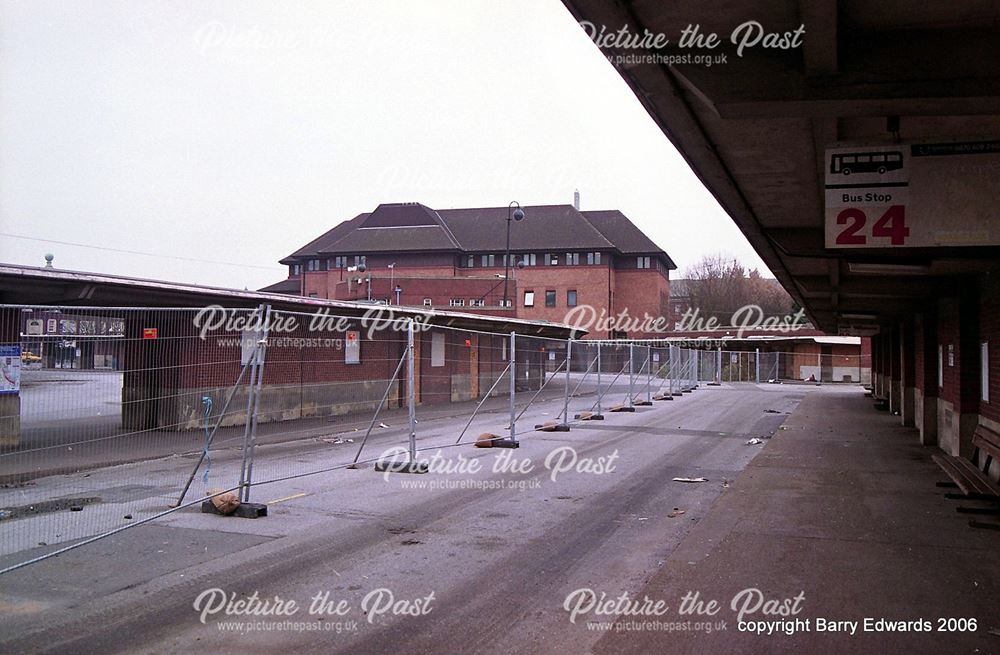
(674,514)
(643,518)
(76,508)
(771,411)
(410,542)
(382,425)
(755,441)
(690,480)
(725,483)
(128,517)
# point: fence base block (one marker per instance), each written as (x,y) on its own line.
(663,396)
(714,384)
(507,443)
(401,467)
(587,416)
(244,511)
(642,403)
(552,426)
(622,408)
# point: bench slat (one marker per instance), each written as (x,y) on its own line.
(987,440)
(964,473)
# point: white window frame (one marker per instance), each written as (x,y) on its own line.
(529,298)
(428,302)
(456,302)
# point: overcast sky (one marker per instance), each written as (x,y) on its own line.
(238,131)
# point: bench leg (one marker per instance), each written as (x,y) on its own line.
(984,526)
(972,496)
(978,510)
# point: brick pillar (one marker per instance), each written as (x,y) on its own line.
(958,400)
(925,377)
(895,380)
(876,363)
(907,378)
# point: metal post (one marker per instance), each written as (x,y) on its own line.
(671,368)
(819,367)
(757,365)
(696,369)
(261,350)
(630,372)
(411,401)
(511,441)
(599,378)
(718,365)
(649,376)
(569,360)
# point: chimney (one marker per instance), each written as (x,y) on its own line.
(576,200)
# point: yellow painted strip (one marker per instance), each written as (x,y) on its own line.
(281,500)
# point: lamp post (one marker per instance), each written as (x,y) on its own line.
(515,213)
(392,273)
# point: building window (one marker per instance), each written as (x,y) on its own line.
(571,298)
(984,370)
(644,262)
(488,260)
(296,269)
(551,260)
(531,259)
(505,302)
(314,265)
(529,298)
(550,298)
(360,259)
(340,261)
(456,302)
(428,302)
(313,295)
(593,258)
(477,302)
(572,258)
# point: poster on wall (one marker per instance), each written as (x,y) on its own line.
(917,195)
(10,369)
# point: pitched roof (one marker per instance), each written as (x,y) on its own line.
(338,231)
(554,227)
(622,232)
(395,227)
(290,285)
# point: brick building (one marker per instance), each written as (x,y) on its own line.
(561,258)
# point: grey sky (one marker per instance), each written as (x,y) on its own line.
(238,131)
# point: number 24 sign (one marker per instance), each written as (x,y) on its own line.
(858,228)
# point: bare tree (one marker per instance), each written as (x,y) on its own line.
(719,285)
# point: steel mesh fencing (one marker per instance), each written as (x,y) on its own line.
(125,415)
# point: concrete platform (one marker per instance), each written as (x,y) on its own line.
(841,506)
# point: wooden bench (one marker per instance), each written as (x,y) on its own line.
(969,477)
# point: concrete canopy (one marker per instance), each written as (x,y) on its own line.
(754,128)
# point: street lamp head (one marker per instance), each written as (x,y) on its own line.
(520,264)
(361,268)
(518,214)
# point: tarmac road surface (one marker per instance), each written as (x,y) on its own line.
(448,562)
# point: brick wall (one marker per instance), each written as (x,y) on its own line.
(989,331)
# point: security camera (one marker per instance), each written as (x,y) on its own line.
(520,264)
